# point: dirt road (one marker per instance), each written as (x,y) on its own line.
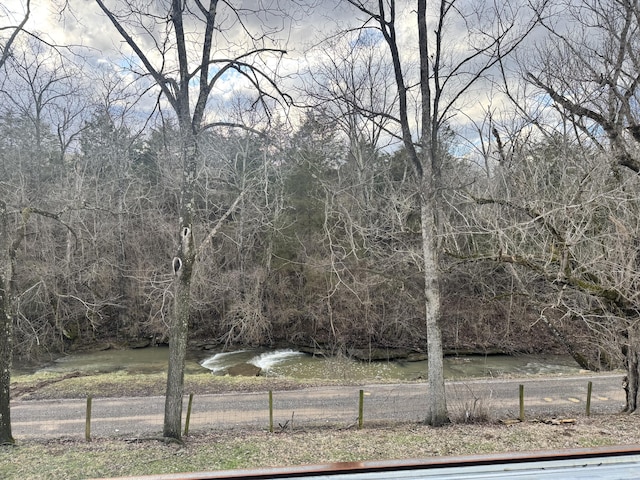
(141,416)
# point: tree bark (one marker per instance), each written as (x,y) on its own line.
(178,334)
(631,381)
(436,397)
(182,265)
(6,326)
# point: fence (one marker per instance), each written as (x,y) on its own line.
(334,407)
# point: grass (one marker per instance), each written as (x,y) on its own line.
(64,459)
(474,433)
(50,385)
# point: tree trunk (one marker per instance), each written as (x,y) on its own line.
(182,266)
(631,382)
(436,398)
(580,359)
(178,334)
(6,327)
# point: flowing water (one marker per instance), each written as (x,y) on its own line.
(291,363)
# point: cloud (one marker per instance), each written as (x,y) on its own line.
(297,27)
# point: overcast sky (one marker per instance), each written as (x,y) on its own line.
(96,42)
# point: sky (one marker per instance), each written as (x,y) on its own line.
(300,31)
(94,40)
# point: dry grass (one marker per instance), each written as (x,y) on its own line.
(471,434)
(48,385)
(62,459)
(477,409)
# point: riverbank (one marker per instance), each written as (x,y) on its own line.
(54,385)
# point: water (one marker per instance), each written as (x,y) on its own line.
(291,363)
(266,360)
(140,360)
(294,364)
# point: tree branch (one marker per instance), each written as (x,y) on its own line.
(216,228)
(7,47)
(160,79)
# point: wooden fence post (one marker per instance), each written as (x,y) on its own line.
(361,409)
(589,388)
(522,403)
(87,426)
(188,419)
(270,411)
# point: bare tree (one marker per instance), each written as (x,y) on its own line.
(7,265)
(178,67)
(352,94)
(587,236)
(353,89)
(10,241)
(455,53)
(6,344)
(42,88)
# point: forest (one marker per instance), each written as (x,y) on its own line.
(472,175)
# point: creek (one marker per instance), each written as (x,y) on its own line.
(294,364)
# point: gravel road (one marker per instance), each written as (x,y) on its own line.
(545,397)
